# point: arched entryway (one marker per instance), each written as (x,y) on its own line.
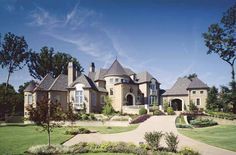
(130,99)
(176,104)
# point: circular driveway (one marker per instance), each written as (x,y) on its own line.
(155,123)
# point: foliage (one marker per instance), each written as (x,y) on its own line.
(199,122)
(191,76)
(192,106)
(22,87)
(108,109)
(153,139)
(14,104)
(165,105)
(13,53)
(142,111)
(188,151)
(223,115)
(70,115)
(183,126)
(48,61)
(171,141)
(170,111)
(75,131)
(43,113)
(140,119)
(212,99)
(46,150)
(158,112)
(108,147)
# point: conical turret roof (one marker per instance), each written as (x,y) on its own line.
(116,69)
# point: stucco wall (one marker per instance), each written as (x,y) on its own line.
(202,97)
(59,97)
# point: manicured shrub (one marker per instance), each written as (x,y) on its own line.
(108,147)
(192,106)
(46,150)
(188,151)
(84,117)
(170,111)
(199,122)
(165,105)
(142,111)
(91,117)
(140,119)
(229,116)
(153,139)
(183,126)
(75,131)
(157,112)
(171,141)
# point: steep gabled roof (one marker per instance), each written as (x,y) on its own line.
(129,71)
(46,83)
(30,88)
(196,83)
(116,69)
(100,74)
(179,88)
(83,79)
(144,77)
(60,83)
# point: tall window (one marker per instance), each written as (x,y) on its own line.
(30,99)
(153,100)
(111,91)
(79,96)
(198,101)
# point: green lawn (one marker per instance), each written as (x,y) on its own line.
(17,139)
(110,130)
(107,154)
(223,136)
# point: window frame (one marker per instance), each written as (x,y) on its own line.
(79,97)
(111,91)
(198,99)
(194,92)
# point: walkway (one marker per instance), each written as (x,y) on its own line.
(155,123)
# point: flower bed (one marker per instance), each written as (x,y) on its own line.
(140,119)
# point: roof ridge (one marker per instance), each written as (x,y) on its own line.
(54,81)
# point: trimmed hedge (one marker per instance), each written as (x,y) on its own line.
(183,126)
(170,111)
(142,111)
(140,119)
(75,131)
(223,115)
(202,122)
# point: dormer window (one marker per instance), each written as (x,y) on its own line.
(116,80)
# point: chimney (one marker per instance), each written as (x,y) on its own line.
(71,73)
(92,67)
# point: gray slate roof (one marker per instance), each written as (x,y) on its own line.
(60,83)
(46,83)
(144,77)
(196,83)
(88,83)
(30,88)
(116,69)
(129,71)
(182,85)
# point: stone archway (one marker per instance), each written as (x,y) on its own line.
(130,100)
(177,104)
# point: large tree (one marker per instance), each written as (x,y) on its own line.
(48,61)
(221,38)
(212,102)
(13,54)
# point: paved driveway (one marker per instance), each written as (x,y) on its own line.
(155,123)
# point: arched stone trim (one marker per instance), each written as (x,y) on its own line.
(178,99)
(132,96)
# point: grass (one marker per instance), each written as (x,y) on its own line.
(223,136)
(17,139)
(110,130)
(107,154)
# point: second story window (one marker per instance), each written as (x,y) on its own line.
(116,80)
(111,80)
(201,92)
(194,92)
(111,91)
(30,99)
(198,101)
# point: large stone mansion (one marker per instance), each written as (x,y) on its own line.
(128,90)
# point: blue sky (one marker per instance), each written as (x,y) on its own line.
(163,37)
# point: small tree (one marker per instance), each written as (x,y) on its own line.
(165,105)
(192,106)
(108,109)
(70,115)
(43,114)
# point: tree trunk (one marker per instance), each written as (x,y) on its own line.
(8,77)
(49,136)
(233,72)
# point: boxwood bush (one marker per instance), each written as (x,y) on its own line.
(75,131)
(142,111)
(199,122)
(170,111)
